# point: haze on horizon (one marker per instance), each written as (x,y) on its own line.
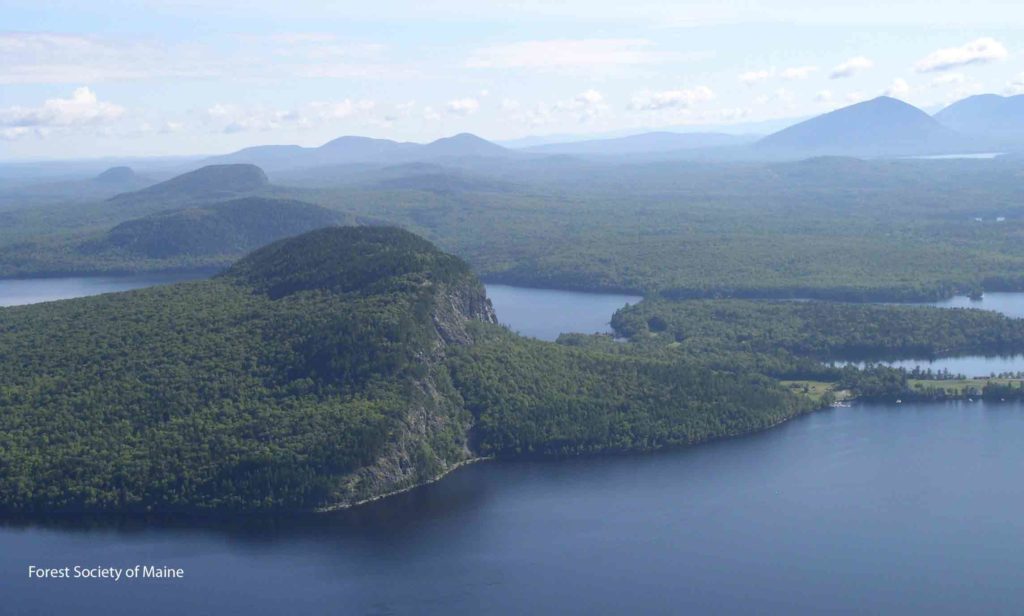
(213,78)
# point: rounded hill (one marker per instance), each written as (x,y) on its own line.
(348,259)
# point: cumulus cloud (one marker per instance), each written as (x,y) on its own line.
(648,100)
(587,106)
(979,51)
(791,73)
(463,106)
(570,53)
(82,108)
(851,67)
(232,118)
(898,88)
(337,110)
(948,79)
(752,77)
(797,72)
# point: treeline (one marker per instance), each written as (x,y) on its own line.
(532,397)
(823,330)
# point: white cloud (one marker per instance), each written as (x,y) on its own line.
(40,57)
(587,106)
(798,72)
(948,79)
(648,100)
(789,74)
(463,106)
(338,110)
(82,108)
(856,97)
(571,53)
(430,115)
(231,118)
(1016,85)
(752,77)
(851,67)
(979,51)
(899,88)
(823,96)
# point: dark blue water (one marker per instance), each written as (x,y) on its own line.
(546,313)
(871,509)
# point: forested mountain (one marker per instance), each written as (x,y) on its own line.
(998,118)
(319,371)
(225,229)
(121,177)
(882,126)
(208,235)
(207,183)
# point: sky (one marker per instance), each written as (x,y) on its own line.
(154,77)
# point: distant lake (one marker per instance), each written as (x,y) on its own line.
(546,313)
(18,292)
(981,155)
(968,365)
(910,509)
(1010,304)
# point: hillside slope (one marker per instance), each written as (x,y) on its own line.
(320,371)
(999,118)
(229,228)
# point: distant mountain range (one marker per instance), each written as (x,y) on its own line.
(998,118)
(355,150)
(881,127)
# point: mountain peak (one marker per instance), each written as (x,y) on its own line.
(882,126)
(206,182)
(464,144)
(116,175)
(345,260)
(987,115)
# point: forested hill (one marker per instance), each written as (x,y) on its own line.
(319,371)
(206,232)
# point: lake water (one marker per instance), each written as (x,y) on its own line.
(546,313)
(911,508)
(35,290)
(968,365)
(870,509)
(1010,304)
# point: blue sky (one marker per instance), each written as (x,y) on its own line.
(152,77)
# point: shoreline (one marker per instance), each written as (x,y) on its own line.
(366,501)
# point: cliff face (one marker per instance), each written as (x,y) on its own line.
(432,437)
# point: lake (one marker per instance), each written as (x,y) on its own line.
(18,292)
(870,509)
(967,365)
(911,508)
(1010,304)
(546,313)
